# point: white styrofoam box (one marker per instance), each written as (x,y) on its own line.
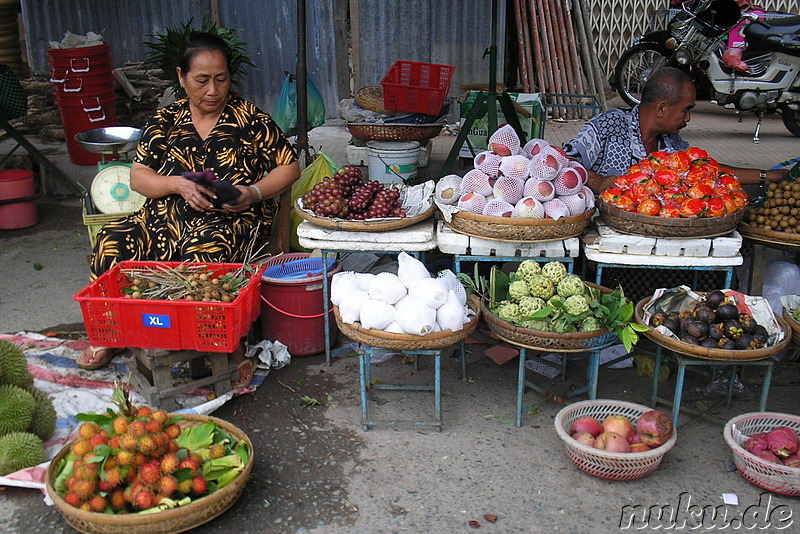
(594,254)
(727,245)
(356,155)
(418,237)
(451,242)
(614,242)
(683,247)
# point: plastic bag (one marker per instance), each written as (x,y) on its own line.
(285,114)
(782,278)
(320,168)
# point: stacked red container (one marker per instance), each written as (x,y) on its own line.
(84,87)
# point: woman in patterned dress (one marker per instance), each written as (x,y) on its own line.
(209,129)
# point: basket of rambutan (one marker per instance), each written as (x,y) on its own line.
(136,470)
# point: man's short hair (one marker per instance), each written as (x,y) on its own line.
(666,83)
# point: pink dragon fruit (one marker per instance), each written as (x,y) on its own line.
(768,456)
(792,461)
(756,443)
(782,441)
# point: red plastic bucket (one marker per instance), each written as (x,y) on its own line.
(80,60)
(17,185)
(86,111)
(68,83)
(292,311)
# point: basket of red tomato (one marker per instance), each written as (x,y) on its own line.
(682,194)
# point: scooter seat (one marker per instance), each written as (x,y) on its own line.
(782,36)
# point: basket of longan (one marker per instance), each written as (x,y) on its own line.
(775,219)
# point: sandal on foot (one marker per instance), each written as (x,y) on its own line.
(106,355)
(239,383)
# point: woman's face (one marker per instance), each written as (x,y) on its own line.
(207,82)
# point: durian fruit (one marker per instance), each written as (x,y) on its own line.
(44,415)
(19,450)
(14,366)
(16,409)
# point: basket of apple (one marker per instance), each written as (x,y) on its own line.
(615,440)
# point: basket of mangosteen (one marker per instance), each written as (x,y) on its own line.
(718,325)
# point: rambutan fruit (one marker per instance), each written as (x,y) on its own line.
(150,473)
(104,485)
(98,503)
(199,485)
(114,442)
(120,425)
(138,428)
(81,447)
(85,489)
(124,458)
(168,485)
(197,457)
(153,426)
(129,442)
(70,483)
(169,463)
(86,471)
(139,459)
(147,445)
(72,499)
(190,464)
(88,430)
(161,416)
(117,499)
(216,451)
(144,499)
(144,411)
(85,507)
(98,439)
(113,477)
(173,431)
(185,486)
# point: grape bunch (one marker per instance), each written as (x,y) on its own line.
(346,195)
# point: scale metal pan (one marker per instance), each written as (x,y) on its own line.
(110,140)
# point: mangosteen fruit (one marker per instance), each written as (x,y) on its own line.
(726,343)
(760,333)
(715,298)
(727,311)
(685,322)
(697,329)
(716,331)
(658,319)
(705,314)
(748,323)
(690,340)
(709,343)
(674,316)
(733,328)
(747,341)
(673,324)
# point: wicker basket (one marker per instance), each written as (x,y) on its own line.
(603,464)
(676,345)
(178,519)
(652,226)
(517,229)
(769,476)
(770,237)
(388,340)
(377,225)
(395,131)
(371,98)
(794,326)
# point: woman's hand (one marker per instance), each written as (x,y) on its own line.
(149,183)
(247,198)
(198,197)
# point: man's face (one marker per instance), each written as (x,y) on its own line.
(676,116)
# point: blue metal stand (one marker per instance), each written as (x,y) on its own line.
(685,361)
(695,269)
(365,371)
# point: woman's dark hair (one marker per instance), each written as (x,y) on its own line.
(197,42)
(666,83)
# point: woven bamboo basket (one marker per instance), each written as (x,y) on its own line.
(178,519)
(603,464)
(371,98)
(794,327)
(652,226)
(517,229)
(388,340)
(395,131)
(378,225)
(770,237)
(780,479)
(549,341)
(704,353)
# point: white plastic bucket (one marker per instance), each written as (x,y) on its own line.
(393,162)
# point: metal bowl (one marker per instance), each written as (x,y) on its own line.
(111,140)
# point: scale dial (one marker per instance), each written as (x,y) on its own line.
(112,193)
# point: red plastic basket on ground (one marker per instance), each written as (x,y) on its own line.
(112,320)
(416,87)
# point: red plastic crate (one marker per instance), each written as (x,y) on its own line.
(416,87)
(115,321)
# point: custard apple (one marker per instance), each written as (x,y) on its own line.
(576,305)
(541,286)
(518,290)
(527,269)
(555,301)
(536,324)
(570,285)
(530,305)
(508,311)
(590,324)
(555,271)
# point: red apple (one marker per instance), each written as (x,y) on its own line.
(612,442)
(634,439)
(500,149)
(586,424)
(654,428)
(584,437)
(618,424)
(639,447)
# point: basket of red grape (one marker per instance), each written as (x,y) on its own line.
(347,201)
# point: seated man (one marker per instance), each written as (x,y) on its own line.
(610,143)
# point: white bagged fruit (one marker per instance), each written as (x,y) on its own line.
(414,316)
(448,189)
(472,202)
(394,328)
(364,280)
(350,308)
(387,287)
(476,181)
(431,291)
(410,269)
(451,315)
(343,283)
(376,314)
(488,163)
(452,283)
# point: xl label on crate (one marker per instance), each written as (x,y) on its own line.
(153,320)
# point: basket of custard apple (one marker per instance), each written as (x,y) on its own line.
(545,307)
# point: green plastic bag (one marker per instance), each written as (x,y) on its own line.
(321,168)
(285,114)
